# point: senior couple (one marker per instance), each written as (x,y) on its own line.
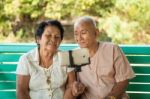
(40,76)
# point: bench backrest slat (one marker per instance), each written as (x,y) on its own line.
(139,59)
(7,85)
(8,67)
(139,96)
(8,94)
(7,77)
(9,57)
(141,69)
(136,49)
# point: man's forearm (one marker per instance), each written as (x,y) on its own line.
(119,89)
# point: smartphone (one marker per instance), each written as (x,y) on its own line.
(79,57)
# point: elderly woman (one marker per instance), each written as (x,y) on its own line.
(39,74)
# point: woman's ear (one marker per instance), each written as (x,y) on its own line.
(37,39)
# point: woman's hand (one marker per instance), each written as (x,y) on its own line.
(77,88)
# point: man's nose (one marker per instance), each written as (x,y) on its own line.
(79,37)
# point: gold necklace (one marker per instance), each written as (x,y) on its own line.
(48,73)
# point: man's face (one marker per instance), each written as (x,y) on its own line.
(85,34)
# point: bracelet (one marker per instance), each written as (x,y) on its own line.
(112,97)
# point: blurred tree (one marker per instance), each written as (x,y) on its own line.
(128,20)
(21,16)
(137,11)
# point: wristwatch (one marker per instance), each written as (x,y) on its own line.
(112,97)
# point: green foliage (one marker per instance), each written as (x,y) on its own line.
(119,30)
(122,21)
(137,10)
(129,22)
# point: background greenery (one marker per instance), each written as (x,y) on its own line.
(120,21)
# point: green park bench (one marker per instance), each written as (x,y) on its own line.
(138,56)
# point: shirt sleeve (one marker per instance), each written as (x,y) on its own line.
(23,66)
(123,70)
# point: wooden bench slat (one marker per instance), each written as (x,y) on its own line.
(139,96)
(9,57)
(7,77)
(22,48)
(141,69)
(138,78)
(136,49)
(8,67)
(139,59)
(7,85)
(141,78)
(16,48)
(65,47)
(127,49)
(7,94)
(132,59)
(137,69)
(139,87)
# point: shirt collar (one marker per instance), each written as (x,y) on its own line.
(36,55)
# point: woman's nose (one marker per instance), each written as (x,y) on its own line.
(53,39)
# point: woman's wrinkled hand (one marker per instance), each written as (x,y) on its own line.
(77,88)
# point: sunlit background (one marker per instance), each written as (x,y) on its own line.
(120,21)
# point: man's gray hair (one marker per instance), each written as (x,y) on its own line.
(85,19)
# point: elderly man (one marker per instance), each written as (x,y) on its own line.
(107,75)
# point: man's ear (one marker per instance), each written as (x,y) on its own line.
(97,32)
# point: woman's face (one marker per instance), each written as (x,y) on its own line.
(50,39)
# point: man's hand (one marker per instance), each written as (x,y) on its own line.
(77,88)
